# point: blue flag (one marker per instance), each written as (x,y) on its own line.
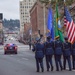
(50,24)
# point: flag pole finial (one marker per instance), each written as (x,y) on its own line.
(64,2)
(49,1)
(56,1)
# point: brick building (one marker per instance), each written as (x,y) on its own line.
(27,28)
(72,10)
(37,19)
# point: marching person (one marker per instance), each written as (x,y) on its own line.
(73,55)
(58,53)
(49,51)
(66,54)
(39,54)
(30,45)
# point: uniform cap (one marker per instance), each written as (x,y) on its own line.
(37,39)
(48,37)
(66,38)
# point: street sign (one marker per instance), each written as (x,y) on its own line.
(1,27)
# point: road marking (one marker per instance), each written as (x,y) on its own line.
(68,69)
(73,70)
(23,46)
(25,58)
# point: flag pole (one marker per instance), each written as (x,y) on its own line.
(65,32)
(64,3)
(44,19)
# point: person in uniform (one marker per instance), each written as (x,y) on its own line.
(66,54)
(30,45)
(49,51)
(73,54)
(39,54)
(58,53)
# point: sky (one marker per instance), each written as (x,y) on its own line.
(10,9)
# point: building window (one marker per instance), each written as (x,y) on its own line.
(20,3)
(21,9)
(29,6)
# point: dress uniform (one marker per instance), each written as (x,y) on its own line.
(73,55)
(49,51)
(58,52)
(39,54)
(66,54)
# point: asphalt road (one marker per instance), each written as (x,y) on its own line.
(24,63)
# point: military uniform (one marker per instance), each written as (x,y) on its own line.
(39,54)
(73,55)
(49,51)
(66,54)
(58,52)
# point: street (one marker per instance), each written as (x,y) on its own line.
(24,63)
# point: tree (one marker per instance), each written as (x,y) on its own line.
(60,2)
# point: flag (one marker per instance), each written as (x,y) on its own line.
(58,31)
(70,27)
(50,23)
(55,27)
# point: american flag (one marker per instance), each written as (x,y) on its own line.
(70,26)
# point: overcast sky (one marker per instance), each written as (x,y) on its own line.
(10,9)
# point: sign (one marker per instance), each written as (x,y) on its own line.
(1,16)
(1,27)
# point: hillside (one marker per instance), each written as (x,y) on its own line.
(11,24)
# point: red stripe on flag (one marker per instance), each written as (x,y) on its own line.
(72,32)
(70,28)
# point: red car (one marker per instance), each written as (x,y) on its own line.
(10,48)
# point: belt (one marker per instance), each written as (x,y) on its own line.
(73,49)
(67,49)
(49,48)
(58,48)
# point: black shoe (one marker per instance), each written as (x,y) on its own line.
(64,68)
(73,68)
(70,69)
(52,68)
(47,69)
(37,71)
(57,70)
(42,70)
(61,68)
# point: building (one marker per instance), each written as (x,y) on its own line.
(38,19)
(25,6)
(72,10)
(27,28)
